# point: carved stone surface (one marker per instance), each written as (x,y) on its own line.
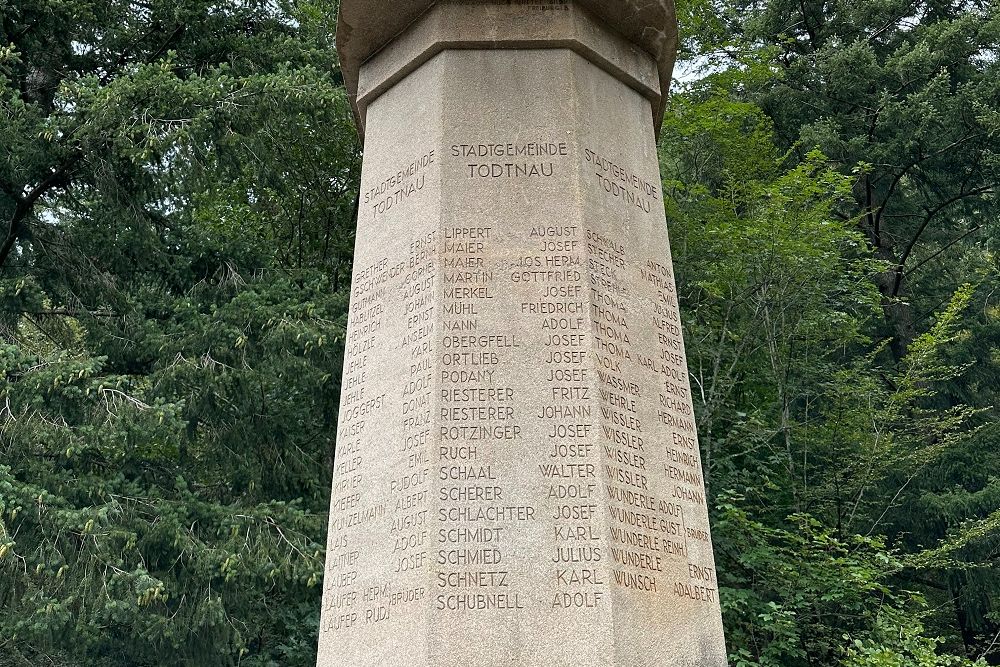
(365,27)
(518,479)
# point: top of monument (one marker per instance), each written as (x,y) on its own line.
(365,27)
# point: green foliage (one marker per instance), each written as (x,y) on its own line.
(178,511)
(817,598)
(848,430)
(179,181)
(901,642)
(905,93)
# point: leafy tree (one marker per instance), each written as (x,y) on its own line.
(817,599)
(801,413)
(179,180)
(903,96)
(906,93)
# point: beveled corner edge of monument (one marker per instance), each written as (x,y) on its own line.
(365,27)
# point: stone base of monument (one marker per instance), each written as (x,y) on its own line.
(518,479)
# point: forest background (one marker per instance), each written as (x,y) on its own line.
(178,185)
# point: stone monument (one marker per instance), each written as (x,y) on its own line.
(518,479)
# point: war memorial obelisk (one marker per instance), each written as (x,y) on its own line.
(518,480)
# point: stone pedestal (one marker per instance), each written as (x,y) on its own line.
(518,479)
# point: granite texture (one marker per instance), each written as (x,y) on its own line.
(518,480)
(501,27)
(365,27)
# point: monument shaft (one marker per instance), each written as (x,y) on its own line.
(518,479)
